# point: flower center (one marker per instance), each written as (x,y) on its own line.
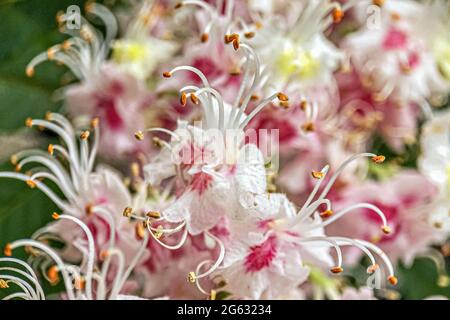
(261,256)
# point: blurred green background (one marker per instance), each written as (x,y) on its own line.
(28,27)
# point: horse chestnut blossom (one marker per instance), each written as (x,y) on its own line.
(395,59)
(106,89)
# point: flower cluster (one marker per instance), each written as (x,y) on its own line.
(222,150)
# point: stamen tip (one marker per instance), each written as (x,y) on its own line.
(326,214)
(317,174)
(167,74)
(127,212)
(378,159)
(191,277)
(31,183)
(386,229)
(55,215)
(8,250)
(29,122)
(51,149)
(204,37)
(139,135)
(85,135)
(29,71)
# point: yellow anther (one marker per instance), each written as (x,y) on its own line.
(8,250)
(378,159)
(29,122)
(167,74)
(379,3)
(139,135)
(80,283)
(371,269)
(393,280)
(50,149)
(51,54)
(443,281)
(84,135)
(29,71)
(14,159)
(159,233)
(17,168)
(213,295)
(55,215)
(31,183)
(191,277)
(338,15)
(95,122)
(127,212)
(317,174)
(3,284)
(386,229)
(309,127)
(140,231)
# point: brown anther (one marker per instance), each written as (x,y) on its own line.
(282,97)
(227,38)
(127,212)
(393,280)
(438,225)
(84,135)
(371,269)
(317,174)
(145,224)
(379,3)
(157,142)
(29,71)
(159,233)
(194,98)
(29,122)
(303,104)
(204,37)
(3,284)
(336,270)
(386,229)
(140,231)
(52,274)
(8,250)
(88,208)
(284,104)
(153,214)
(104,254)
(249,34)
(65,45)
(135,169)
(338,15)
(191,277)
(183,99)
(31,183)
(236,44)
(95,122)
(139,135)
(309,127)
(178,5)
(50,149)
(378,159)
(167,74)
(326,213)
(17,168)
(254,97)
(213,295)
(55,215)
